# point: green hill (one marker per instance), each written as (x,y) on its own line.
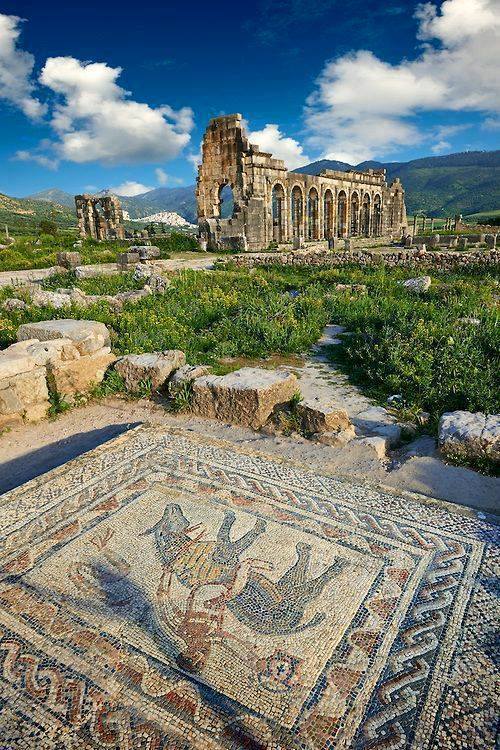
(23,215)
(465,183)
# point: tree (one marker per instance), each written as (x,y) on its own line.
(47,226)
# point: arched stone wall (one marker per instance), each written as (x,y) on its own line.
(271,203)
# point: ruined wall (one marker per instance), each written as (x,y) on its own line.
(274,205)
(446,261)
(99,217)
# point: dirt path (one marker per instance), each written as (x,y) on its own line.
(29,450)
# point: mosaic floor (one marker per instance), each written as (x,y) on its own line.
(168,593)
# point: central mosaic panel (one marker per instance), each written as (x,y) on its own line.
(252,607)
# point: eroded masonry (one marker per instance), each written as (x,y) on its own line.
(99,217)
(270,204)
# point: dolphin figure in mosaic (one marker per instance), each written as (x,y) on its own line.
(278,608)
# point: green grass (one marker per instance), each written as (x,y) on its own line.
(122,282)
(413,345)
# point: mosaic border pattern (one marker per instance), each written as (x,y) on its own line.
(432,687)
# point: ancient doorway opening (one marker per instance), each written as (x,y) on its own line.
(341,214)
(365,216)
(354,214)
(278,203)
(297,211)
(226,202)
(377,216)
(328,214)
(313,215)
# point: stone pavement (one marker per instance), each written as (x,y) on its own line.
(169,591)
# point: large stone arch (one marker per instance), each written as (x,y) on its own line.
(278,209)
(377,215)
(328,213)
(297,211)
(355,208)
(365,215)
(313,214)
(341,213)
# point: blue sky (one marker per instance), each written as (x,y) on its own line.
(313,78)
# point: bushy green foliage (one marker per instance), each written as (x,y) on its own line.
(177,242)
(420,346)
(209,316)
(103,284)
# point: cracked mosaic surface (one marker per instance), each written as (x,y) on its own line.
(169,592)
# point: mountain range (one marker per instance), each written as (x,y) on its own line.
(463,183)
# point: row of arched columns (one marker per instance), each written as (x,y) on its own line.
(311,216)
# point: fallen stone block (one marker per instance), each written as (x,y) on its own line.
(336,439)
(378,446)
(470,435)
(14,362)
(45,352)
(24,397)
(90,272)
(418,285)
(321,416)
(378,422)
(187,374)
(155,367)
(42,298)
(87,335)
(14,304)
(79,375)
(69,260)
(246,397)
(145,252)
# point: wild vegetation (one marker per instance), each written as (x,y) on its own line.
(40,250)
(439,350)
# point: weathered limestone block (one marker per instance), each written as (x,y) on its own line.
(78,376)
(491,240)
(42,298)
(378,422)
(24,396)
(336,439)
(88,335)
(90,272)
(470,435)
(187,374)
(320,416)
(154,366)
(126,260)
(418,285)
(145,252)
(13,362)
(376,446)
(12,303)
(69,260)
(47,352)
(246,397)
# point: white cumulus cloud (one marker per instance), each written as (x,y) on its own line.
(129,188)
(95,120)
(363,106)
(16,68)
(161,176)
(270,139)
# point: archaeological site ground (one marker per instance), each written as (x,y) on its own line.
(250,428)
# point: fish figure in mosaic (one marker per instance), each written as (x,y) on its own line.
(277,608)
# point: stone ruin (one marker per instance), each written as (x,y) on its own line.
(99,217)
(273,205)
